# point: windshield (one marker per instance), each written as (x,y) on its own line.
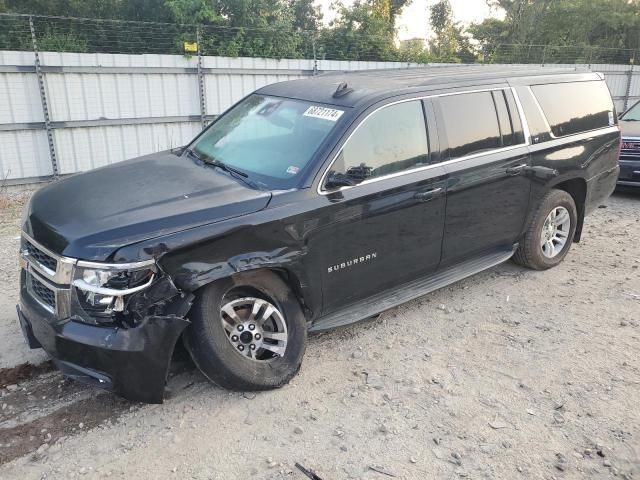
(633,114)
(270,139)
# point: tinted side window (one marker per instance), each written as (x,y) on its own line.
(575,107)
(471,123)
(391,140)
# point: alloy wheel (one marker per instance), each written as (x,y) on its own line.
(255,328)
(555,232)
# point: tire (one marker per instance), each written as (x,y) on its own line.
(210,345)
(531,253)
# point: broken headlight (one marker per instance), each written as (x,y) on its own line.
(103,289)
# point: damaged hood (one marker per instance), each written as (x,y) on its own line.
(90,215)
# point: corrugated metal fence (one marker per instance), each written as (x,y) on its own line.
(74,112)
(104,108)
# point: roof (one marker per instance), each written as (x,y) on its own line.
(367,86)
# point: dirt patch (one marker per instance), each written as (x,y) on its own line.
(39,435)
(39,406)
(25,371)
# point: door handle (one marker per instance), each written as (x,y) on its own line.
(517,170)
(429,194)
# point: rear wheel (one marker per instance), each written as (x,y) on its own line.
(550,232)
(248,332)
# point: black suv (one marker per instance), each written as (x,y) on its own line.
(308,205)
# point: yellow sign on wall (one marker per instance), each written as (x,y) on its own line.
(191,47)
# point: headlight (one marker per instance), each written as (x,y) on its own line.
(103,288)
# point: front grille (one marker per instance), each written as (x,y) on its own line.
(41,292)
(630,149)
(40,257)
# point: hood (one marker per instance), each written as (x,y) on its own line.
(90,215)
(629,129)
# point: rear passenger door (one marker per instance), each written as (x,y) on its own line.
(486,157)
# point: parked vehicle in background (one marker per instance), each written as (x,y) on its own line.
(308,205)
(630,151)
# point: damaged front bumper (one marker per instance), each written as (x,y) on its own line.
(119,337)
(132,362)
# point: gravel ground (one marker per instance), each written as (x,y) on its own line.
(508,374)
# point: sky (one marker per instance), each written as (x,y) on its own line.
(415,18)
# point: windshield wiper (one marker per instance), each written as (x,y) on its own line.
(207,160)
(224,166)
(216,163)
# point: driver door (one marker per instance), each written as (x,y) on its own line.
(387,228)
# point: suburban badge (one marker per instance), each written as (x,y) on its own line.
(351,263)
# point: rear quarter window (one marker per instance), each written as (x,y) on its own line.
(575,107)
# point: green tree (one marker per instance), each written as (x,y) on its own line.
(449,43)
(364,30)
(192,11)
(561,31)
(307,16)
(66,8)
(262,28)
(145,11)
(414,50)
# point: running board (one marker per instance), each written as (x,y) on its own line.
(381,302)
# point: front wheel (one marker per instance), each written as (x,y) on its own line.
(248,332)
(550,232)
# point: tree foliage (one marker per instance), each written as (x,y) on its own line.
(449,44)
(529,30)
(584,30)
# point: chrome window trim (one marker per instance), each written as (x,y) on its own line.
(558,142)
(525,127)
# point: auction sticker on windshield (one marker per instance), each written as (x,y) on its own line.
(324,113)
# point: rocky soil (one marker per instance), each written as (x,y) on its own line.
(509,374)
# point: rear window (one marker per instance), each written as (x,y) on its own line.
(575,107)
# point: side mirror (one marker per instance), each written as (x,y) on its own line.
(338,180)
